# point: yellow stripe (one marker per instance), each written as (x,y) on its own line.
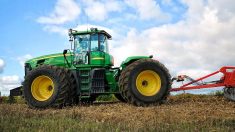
(52,56)
(98,58)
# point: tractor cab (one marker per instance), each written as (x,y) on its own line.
(90,47)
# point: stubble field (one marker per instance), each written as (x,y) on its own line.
(180,113)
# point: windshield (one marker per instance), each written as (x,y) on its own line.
(83,44)
(90,42)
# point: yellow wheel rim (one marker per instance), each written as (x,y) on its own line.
(148,83)
(42,88)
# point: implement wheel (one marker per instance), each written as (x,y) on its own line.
(229,93)
(145,82)
(46,86)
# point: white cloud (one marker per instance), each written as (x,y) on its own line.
(9,82)
(130,45)
(24,58)
(148,9)
(226,9)
(195,10)
(64,11)
(2,65)
(99,10)
(202,42)
(56,29)
(63,31)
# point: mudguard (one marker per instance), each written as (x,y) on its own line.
(131,59)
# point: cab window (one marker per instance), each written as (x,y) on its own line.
(94,42)
(103,43)
(81,43)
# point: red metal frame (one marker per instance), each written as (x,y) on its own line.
(228,80)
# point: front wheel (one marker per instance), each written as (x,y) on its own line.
(46,86)
(145,82)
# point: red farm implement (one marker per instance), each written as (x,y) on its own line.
(227,81)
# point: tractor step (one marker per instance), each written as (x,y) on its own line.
(98,78)
(92,81)
(84,77)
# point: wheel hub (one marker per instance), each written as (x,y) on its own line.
(42,88)
(148,83)
(50,88)
(145,83)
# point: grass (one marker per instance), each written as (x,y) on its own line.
(180,113)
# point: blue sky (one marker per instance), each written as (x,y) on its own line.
(189,37)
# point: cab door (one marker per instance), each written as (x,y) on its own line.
(96,56)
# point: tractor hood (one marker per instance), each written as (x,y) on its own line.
(51,59)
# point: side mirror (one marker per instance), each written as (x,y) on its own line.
(65,51)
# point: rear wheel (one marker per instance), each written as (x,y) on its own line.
(46,86)
(145,82)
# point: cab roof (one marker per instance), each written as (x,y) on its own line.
(89,31)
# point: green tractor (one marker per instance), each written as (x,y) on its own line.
(86,71)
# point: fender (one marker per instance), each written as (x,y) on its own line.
(131,59)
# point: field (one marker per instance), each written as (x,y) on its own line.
(180,113)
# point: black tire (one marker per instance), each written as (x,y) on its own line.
(128,88)
(120,98)
(72,98)
(60,90)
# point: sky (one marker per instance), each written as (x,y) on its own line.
(193,37)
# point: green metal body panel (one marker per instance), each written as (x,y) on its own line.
(131,59)
(111,77)
(52,59)
(101,59)
(97,60)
